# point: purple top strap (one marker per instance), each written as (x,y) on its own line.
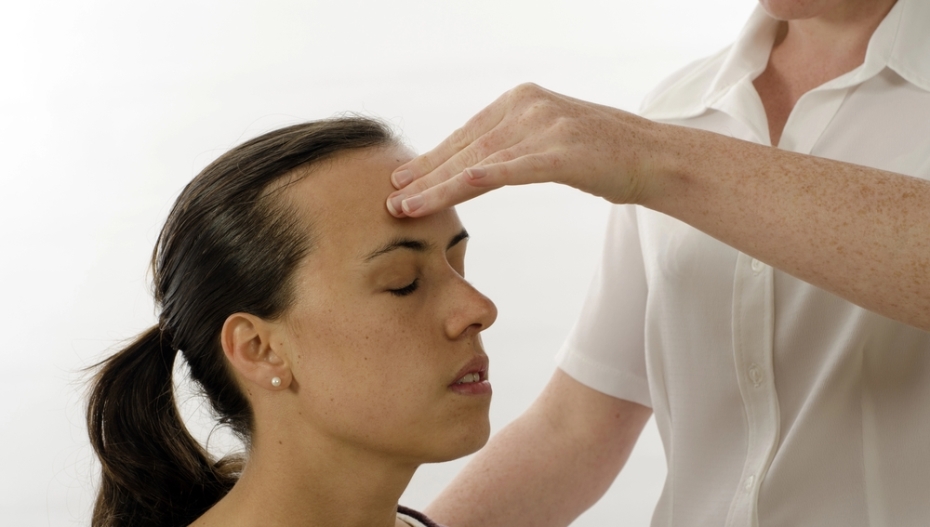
(417,515)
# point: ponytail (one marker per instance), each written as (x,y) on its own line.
(229,245)
(154,472)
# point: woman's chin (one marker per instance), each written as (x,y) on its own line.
(469,441)
(462,440)
(479,439)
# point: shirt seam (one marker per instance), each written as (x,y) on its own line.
(623,374)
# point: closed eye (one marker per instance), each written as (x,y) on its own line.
(407,289)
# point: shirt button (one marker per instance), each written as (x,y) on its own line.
(749,482)
(757,266)
(755,375)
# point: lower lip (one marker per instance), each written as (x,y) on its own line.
(472,388)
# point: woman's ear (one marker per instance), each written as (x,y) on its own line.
(247,343)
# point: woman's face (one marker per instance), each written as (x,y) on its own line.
(384,325)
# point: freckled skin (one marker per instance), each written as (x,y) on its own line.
(374,368)
(365,396)
(788,210)
(858,232)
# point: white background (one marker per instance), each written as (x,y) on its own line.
(108,108)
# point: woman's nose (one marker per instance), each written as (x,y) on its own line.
(470,312)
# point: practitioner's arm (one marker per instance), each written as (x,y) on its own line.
(548,466)
(861,233)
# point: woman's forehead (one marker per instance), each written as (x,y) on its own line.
(349,182)
(344,200)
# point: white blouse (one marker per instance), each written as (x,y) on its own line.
(778,403)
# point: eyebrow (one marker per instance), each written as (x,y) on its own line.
(420,246)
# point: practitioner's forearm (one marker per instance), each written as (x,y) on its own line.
(543,470)
(861,233)
(507,485)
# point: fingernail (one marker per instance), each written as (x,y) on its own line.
(394,204)
(412,203)
(475,173)
(402,178)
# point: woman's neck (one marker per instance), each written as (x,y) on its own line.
(834,41)
(310,483)
(812,51)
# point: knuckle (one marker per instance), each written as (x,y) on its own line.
(503,156)
(428,183)
(417,187)
(528,88)
(448,193)
(563,127)
(548,161)
(439,193)
(471,157)
(486,143)
(542,113)
(526,91)
(421,165)
(460,138)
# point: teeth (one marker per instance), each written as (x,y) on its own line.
(471,377)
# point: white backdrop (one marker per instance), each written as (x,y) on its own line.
(108,108)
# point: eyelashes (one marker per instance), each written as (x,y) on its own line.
(407,289)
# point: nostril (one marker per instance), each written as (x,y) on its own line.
(473,329)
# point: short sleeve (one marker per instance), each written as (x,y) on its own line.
(606,349)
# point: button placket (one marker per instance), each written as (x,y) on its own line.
(755,375)
(753,327)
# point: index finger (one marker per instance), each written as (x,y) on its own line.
(481,123)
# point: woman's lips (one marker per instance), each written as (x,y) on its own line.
(472,379)
(472,388)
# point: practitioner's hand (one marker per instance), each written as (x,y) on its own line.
(532,135)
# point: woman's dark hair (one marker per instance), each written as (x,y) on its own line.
(229,245)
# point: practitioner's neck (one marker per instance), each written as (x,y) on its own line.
(813,50)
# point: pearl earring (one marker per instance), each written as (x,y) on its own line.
(276,381)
